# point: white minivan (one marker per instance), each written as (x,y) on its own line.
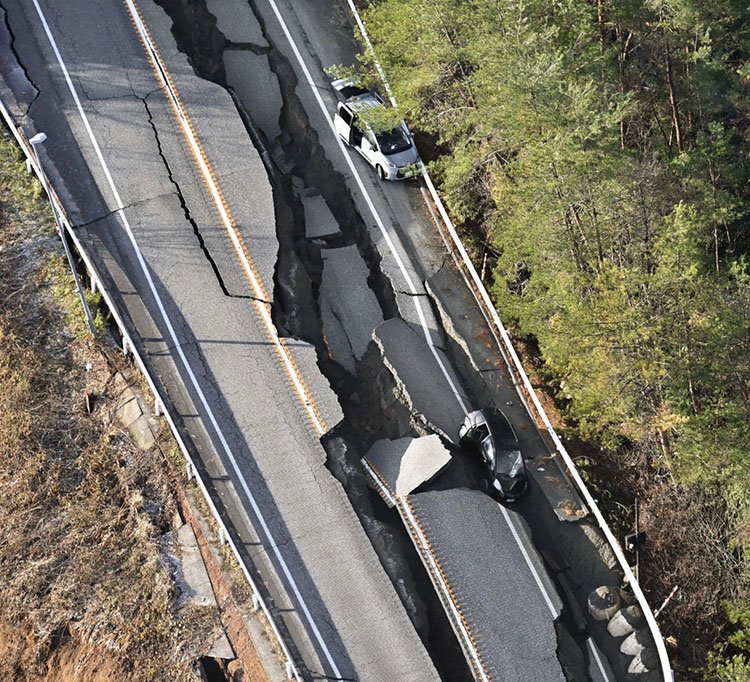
(391,153)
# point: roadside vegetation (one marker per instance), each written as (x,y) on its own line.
(595,155)
(86,592)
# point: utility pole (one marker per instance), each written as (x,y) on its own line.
(634,541)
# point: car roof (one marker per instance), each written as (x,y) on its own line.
(348,87)
(366,100)
(499,424)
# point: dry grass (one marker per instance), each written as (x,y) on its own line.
(83,512)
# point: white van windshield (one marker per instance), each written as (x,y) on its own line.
(394,141)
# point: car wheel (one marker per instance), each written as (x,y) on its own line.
(381,172)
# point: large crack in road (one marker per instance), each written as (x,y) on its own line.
(25,74)
(374,405)
(370,399)
(185,209)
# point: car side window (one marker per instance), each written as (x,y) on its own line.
(346,115)
(476,434)
(371,139)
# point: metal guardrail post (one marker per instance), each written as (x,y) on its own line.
(35,141)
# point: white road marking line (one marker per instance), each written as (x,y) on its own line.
(371,206)
(529,563)
(178,347)
(597,659)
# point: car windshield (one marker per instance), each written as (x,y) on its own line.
(394,141)
(509,463)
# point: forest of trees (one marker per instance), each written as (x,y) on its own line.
(596,153)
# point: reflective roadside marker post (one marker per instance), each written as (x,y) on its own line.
(635,540)
(666,601)
(38,139)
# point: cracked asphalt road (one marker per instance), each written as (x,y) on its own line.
(207,298)
(315,558)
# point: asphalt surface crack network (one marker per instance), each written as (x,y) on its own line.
(105,216)
(248,47)
(188,214)
(112,98)
(412,293)
(14,50)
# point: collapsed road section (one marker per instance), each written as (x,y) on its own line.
(335,288)
(203,342)
(494,590)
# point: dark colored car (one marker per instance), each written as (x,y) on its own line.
(489,433)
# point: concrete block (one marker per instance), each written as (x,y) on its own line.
(196,585)
(221,648)
(645,661)
(406,463)
(130,410)
(604,602)
(141,432)
(319,221)
(637,641)
(625,621)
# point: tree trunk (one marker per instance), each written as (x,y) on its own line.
(622,56)
(676,126)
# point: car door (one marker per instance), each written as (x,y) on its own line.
(343,122)
(368,147)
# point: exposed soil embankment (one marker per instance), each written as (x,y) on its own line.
(75,660)
(86,593)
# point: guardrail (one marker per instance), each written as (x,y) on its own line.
(451,606)
(514,365)
(161,406)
